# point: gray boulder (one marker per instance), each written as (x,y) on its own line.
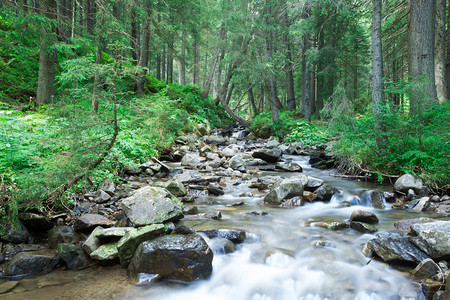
(325,192)
(426,269)
(237,163)
(269,155)
(289,166)
(222,246)
(229,152)
(374,198)
(62,234)
(234,235)
(408,181)
(313,183)
(396,248)
(25,263)
(106,252)
(363,227)
(152,205)
(286,189)
(364,216)
(432,238)
(87,222)
(13,231)
(130,241)
(216,140)
(173,257)
(74,256)
(190,160)
(176,188)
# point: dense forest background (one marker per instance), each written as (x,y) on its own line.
(90,86)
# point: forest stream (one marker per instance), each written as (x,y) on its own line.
(286,253)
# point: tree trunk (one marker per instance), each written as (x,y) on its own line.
(440,50)
(421,41)
(377,67)
(183,58)
(306,83)
(143,60)
(47,59)
(269,54)
(170,61)
(289,66)
(163,64)
(319,84)
(158,67)
(98,61)
(207,84)
(447,63)
(134,33)
(251,99)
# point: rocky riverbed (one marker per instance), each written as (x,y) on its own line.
(182,219)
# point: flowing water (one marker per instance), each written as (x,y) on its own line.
(283,258)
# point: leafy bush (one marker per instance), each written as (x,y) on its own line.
(308,133)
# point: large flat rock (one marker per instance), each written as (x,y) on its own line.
(432,238)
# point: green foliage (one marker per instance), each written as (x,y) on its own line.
(262,125)
(308,133)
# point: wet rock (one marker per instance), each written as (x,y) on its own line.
(313,183)
(190,160)
(204,180)
(215,215)
(272,144)
(131,240)
(35,222)
(87,222)
(215,190)
(408,181)
(364,216)
(325,192)
(74,256)
(9,250)
(102,197)
(375,198)
(25,263)
(173,257)
(421,205)
(395,247)
(432,238)
(443,209)
(308,196)
(289,166)
(202,129)
(152,205)
(8,286)
(106,252)
(336,225)
(237,163)
(255,162)
(286,189)
(435,199)
(426,269)
(131,170)
(93,241)
(108,186)
(62,234)
(293,202)
(176,188)
(13,231)
(222,246)
(216,140)
(389,197)
(107,234)
(363,227)
(229,152)
(236,236)
(268,155)
(191,211)
(257,213)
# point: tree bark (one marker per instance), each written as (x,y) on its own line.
(47,59)
(143,60)
(440,50)
(207,85)
(421,41)
(306,83)
(134,33)
(251,99)
(183,58)
(269,54)
(163,64)
(289,66)
(377,67)
(196,60)
(447,63)
(170,61)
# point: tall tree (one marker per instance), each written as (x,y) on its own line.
(306,74)
(440,50)
(377,66)
(289,66)
(47,56)
(269,53)
(144,53)
(421,51)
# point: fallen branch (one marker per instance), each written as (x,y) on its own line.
(349,176)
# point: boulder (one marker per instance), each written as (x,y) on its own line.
(202,129)
(190,160)
(215,190)
(92,242)
(237,163)
(374,198)
(272,144)
(426,269)
(229,152)
(337,225)
(176,188)
(130,241)
(313,183)
(35,222)
(106,252)
(25,263)
(421,205)
(363,227)
(74,256)
(289,166)
(286,189)
(293,202)
(216,140)
(308,196)
(131,170)
(87,222)
(364,216)
(394,247)
(269,155)
(62,234)
(102,197)
(173,257)
(408,181)
(432,238)
(325,192)
(13,231)
(152,205)
(215,215)
(222,246)
(234,235)
(405,225)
